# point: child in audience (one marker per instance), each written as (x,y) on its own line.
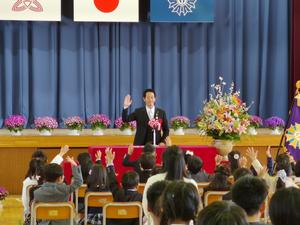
(220,180)
(194,165)
(179,203)
(284,207)
(250,193)
(86,163)
(222,213)
(145,164)
(35,173)
(128,192)
(54,189)
(154,194)
(97,181)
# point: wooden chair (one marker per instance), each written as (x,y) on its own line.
(201,186)
(140,188)
(52,211)
(80,193)
(123,210)
(212,196)
(95,199)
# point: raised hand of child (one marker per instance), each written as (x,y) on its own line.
(98,155)
(252,154)
(71,160)
(130,150)
(109,156)
(63,150)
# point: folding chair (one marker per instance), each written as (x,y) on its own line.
(95,199)
(123,210)
(140,188)
(79,193)
(52,211)
(212,196)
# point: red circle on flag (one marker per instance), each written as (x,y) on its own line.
(106,6)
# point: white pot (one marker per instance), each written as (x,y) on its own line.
(202,132)
(276,131)
(179,131)
(98,132)
(223,146)
(126,131)
(16,133)
(74,132)
(45,133)
(252,131)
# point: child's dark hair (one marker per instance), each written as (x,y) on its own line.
(149,148)
(86,164)
(36,170)
(174,164)
(220,179)
(39,154)
(52,172)
(154,193)
(97,180)
(194,165)
(147,160)
(241,172)
(180,201)
(234,159)
(283,163)
(130,180)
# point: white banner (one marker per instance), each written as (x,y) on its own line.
(39,10)
(106,10)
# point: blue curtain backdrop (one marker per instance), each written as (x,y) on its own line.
(67,68)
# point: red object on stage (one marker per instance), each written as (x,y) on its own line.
(206,153)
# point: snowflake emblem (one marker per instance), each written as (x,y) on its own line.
(293,136)
(182,7)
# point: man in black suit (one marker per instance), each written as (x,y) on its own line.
(144,133)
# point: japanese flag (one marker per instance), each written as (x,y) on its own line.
(40,10)
(106,10)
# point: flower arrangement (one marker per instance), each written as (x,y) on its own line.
(179,121)
(154,124)
(3,193)
(274,122)
(224,116)
(74,123)
(45,123)
(99,121)
(15,123)
(256,121)
(125,125)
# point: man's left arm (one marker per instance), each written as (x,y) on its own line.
(165,128)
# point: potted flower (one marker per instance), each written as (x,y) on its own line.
(98,123)
(126,128)
(75,124)
(255,122)
(225,117)
(15,124)
(3,194)
(155,124)
(179,123)
(276,124)
(45,125)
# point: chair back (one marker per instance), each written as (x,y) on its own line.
(52,211)
(80,193)
(123,210)
(95,199)
(212,196)
(140,188)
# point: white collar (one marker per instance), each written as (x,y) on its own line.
(148,109)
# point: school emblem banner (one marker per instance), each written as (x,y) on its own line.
(182,10)
(36,10)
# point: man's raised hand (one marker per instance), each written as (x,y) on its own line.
(127,101)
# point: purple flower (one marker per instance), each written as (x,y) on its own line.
(274,122)
(124,125)
(74,122)
(99,121)
(45,123)
(15,123)
(3,193)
